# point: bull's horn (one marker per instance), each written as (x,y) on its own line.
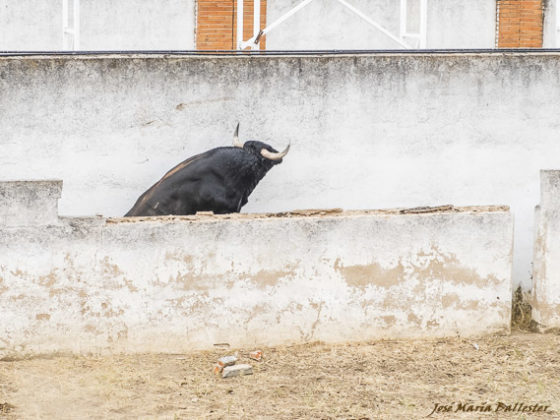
(275,156)
(236,142)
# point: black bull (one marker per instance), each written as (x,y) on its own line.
(219,180)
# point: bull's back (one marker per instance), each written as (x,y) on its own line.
(196,184)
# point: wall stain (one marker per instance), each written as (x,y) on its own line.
(92,329)
(390,320)
(361,276)
(48,280)
(55,292)
(43,317)
(450,300)
(318,307)
(432,323)
(113,271)
(3,287)
(447,268)
(268,278)
(413,318)
(184,105)
(454,300)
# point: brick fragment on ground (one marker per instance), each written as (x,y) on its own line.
(256,355)
(237,370)
(222,363)
(217,369)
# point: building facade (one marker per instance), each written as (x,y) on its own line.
(96,25)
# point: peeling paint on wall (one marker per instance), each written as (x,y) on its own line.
(96,284)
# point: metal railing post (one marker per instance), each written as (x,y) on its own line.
(240,24)
(65,28)
(404,18)
(256,20)
(71,31)
(423,23)
(557,5)
(76,24)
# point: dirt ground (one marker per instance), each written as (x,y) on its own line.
(396,379)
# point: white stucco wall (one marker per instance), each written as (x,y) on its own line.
(138,24)
(30,25)
(461,24)
(546,266)
(36,25)
(376,131)
(327,24)
(551,25)
(176,284)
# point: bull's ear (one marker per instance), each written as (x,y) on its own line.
(236,142)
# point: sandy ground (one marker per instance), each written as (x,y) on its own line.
(381,379)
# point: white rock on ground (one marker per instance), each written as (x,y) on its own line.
(237,370)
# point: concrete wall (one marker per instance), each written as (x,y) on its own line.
(546,265)
(461,24)
(36,25)
(551,35)
(175,284)
(327,24)
(375,131)
(138,24)
(30,25)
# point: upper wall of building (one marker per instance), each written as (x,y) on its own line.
(36,25)
(137,24)
(461,24)
(327,24)
(322,24)
(551,24)
(30,25)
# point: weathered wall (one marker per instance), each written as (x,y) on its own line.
(369,131)
(327,24)
(546,264)
(36,25)
(551,27)
(175,284)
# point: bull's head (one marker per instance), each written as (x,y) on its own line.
(258,148)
